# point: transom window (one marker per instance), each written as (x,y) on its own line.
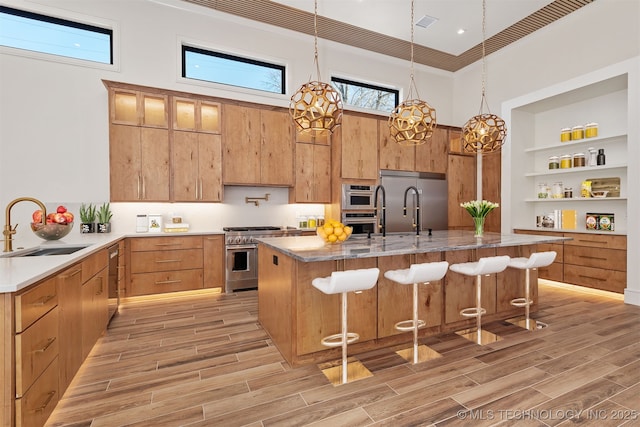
(217,67)
(365,95)
(45,34)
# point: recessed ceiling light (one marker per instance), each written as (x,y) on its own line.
(461,31)
(426,21)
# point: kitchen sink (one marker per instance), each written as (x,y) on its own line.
(44,251)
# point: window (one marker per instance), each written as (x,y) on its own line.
(45,34)
(232,70)
(366,96)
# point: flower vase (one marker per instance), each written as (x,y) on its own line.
(479,225)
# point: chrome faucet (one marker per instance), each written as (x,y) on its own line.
(416,220)
(383,216)
(8,230)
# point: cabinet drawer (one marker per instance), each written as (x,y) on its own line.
(552,272)
(148,262)
(597,240)
(165,243)
(36,347)
(608,259)
(33,409)
(170,281)
(33,304)
(598,278)
(94,263)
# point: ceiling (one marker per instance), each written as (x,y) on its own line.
(383,26)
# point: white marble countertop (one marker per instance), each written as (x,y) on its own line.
(18,272)
(313,248)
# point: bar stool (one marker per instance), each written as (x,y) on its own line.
(343,282)
(417,273)
(484,266)
(536,260)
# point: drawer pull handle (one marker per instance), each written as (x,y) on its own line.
(46,346)
(45,299)
(168,244)
(160,261)
(593,242)
(594,257)
(588,277)
(165,282)
(73,273)
(47,401)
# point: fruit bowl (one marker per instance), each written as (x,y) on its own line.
(334,232)
(51,231)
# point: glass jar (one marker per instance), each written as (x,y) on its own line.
(320,221)
(311,222)
(593,156)
(577,132)
(543,190)
(568,193)
(579,160)
(565,134)
(302,222)
(591,130)
(554,162)
(557,190)
(565,161)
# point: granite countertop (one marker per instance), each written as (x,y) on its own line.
(18,272)
(313,248)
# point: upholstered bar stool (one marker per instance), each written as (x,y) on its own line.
(415,274)
(343,282)
(536,260)
(482,267)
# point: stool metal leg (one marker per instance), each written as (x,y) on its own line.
(527,322)
(415,323)
(344,338)
(479,308)
(478,336)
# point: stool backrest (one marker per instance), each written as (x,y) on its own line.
(427,272)
(541,259)
(353,280)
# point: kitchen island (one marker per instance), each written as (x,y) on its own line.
(297,316)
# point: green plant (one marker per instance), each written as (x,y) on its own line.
(87,213)
(104,214)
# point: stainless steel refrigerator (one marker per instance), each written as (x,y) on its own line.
(432,191)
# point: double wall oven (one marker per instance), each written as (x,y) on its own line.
(358,208)
(241,250)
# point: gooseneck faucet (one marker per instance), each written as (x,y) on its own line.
(383,216)
(416,219)
(10,231)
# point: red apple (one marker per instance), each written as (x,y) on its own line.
(69,216)
(61,209)
(37,216)
(59,218)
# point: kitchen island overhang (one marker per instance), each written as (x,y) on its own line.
(297,316)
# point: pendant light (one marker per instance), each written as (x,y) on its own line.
(484,133)
(316,107)
(412,122)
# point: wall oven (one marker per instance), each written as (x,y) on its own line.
(362,222)
(357,197)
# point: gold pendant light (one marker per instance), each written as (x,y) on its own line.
(484,133)
(412,122)
(316,107)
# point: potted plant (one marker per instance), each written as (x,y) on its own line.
(104,218)
(87,218)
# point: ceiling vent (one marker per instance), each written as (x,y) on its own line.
(426,21)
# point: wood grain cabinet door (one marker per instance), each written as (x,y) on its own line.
(461,181)
(359,147)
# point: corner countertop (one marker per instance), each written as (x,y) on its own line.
(313,248)
(18,272)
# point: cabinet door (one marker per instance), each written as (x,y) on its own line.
(195,115)
(185,166)
(95,310)
(313,173)
(241,160)
(392,155)
(130,107)
(210,167)
(70,316)
(359,147)
(432,155)
(491,188)
(154,168)
(214,264)
(461,181)
(276,148)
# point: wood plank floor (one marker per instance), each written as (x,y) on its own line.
(203,360)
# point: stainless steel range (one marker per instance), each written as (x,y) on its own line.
(242,254)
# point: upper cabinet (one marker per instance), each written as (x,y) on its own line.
(195,115)
(196,167)
(428,157)
(137,108)
(359,147)
(258,146)
(535,122)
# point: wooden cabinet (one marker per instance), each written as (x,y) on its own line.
(258,146)
(196,167)
(596,261)
(138,108)
(391,155)
(556,270)
(94,295)
(313,173)
(432,155)
(165,264)
(37,404)
(214,262)
(139,164)
(461,182)
(428,157)
(195,115)
(69,284)
(492,188)
(359,147)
